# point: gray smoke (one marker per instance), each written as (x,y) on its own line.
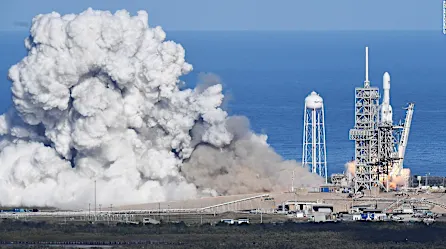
(247,165)
(98,99)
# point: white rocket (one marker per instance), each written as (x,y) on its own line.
(386,108)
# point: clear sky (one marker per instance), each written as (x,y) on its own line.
(248,14)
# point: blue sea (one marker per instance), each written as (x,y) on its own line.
(267,75)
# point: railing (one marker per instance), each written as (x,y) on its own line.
(234,202)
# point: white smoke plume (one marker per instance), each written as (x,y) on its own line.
(97,98)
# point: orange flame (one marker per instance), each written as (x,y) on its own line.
(350,167)
(394,181)
(397,180)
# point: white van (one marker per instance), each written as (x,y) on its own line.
(227,221)
(243,221)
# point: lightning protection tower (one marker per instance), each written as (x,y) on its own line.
(314,156)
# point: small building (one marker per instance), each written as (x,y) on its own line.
(321,217)
(404,210)
(370,216)
(339,180)
(318,212)
(305,207)
(366,213)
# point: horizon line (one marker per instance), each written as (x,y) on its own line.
(274,30)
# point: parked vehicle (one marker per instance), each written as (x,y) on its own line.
(242,221)
(228,221)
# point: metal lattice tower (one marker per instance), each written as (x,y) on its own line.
(387,154)
(314,148)
(365,135)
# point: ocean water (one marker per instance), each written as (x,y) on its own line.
(267,75)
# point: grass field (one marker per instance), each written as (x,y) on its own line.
(286,235)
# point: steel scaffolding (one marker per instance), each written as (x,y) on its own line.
(386,153)
(365,135)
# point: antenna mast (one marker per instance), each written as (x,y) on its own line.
(366,82)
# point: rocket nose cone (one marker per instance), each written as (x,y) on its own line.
(386,80)
(386,76)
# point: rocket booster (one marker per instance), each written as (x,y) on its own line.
(386,108)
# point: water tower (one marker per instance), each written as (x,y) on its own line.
(314,155)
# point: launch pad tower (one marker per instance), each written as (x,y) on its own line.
(365,133)
(379,145)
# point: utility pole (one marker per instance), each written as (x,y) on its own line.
(89,215)
(292,183)
(260,209)
(261,216)
(181,217)
(352,203)
(95,198)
